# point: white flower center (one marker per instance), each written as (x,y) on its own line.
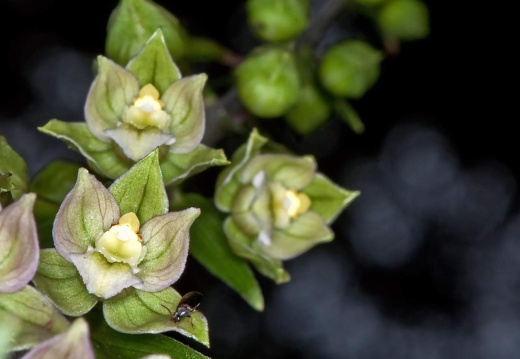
(122,243)
(147,110)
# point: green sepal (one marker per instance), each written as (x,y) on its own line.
(176,167)
(60,281)
(112,91)
(141,189)
(227,182)
(209,246)
(154,64)
(101,155)
(184,102)
(243,246)
(166,238)
(14,164)
(107,341)
(133,22)
(30,317)
(304,232)
(327,198)
(151,312)
(291,171)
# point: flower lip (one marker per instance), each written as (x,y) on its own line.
(147,110)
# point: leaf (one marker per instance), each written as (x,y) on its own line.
(44,213)
(150,312)
(60,281)
(100,155)
(327,198)
(154,65)
(31,317)
(111,344)
(14,164)
(209,246)
(141,189)
(55,180)
(176,167)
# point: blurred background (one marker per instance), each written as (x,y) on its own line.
(426,262)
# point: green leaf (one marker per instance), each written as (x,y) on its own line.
(327,198)
(133,22)
(101,155)
(227,183)
(60,281)
(55,180)
(151,312)
(141,189)
(31,317)
(209,246)
(111,344)
(14,164)
(154,65)
(44,213)
(176,167)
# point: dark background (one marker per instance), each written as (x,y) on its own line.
(426,263)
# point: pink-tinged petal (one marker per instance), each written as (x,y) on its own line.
(102,278)
(167,240)
(85,214)
(73,344)
(19,248)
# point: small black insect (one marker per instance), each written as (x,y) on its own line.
(188,304)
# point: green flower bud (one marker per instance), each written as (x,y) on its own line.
(268,82)
(310,111)
(133,22)
(350,68)
(278,205)
(404,19)
(277,20)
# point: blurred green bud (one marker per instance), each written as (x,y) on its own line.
(133,22)
(268,82)
(310,111)
(404,19)
(279,206)
(277,20)
(350,68)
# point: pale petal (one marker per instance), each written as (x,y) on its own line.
(136,144)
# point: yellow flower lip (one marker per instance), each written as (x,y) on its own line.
(122,242)
(147,110)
